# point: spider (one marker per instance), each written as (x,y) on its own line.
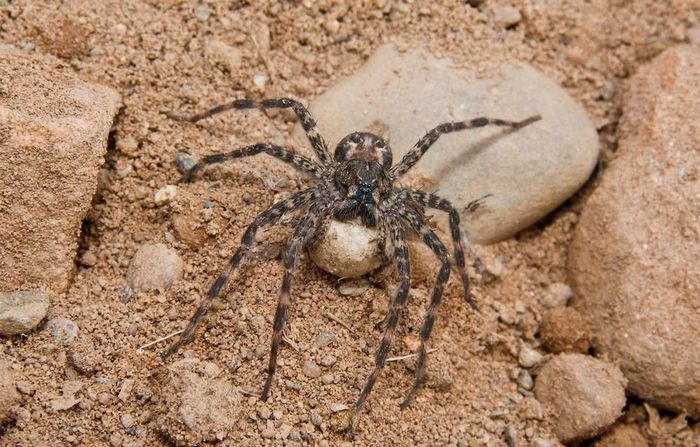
(356,182)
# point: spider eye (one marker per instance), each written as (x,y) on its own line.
(355,138)
(381,144)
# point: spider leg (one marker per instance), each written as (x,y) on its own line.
(418,224)
(299,162)
(305,118)
(268,217)
(421,147)
(398,302)
(436,202)
(302,234)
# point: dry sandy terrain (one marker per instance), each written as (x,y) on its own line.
(165,55)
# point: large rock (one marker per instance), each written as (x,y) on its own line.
(53,138)
(584,395)
(528,172)
(633,261)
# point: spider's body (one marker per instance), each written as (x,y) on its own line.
(356,183)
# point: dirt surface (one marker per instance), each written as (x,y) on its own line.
(187,56)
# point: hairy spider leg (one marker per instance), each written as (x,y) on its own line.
(270,216)
(307,122)
(302,233)
(398,238)
(422,146)
(301,163)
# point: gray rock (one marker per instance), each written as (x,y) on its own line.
(154,266)
(633,260)
(54,138)
(20,312)
(528,172)
(584,394)
(62,330)
(197,404)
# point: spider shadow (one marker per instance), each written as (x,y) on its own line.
(471,151)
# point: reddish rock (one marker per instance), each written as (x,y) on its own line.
(583,395)
(563,329)
(633,261)
(53,138)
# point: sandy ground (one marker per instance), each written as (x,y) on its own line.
(157,54)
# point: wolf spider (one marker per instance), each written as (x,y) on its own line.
(356,182)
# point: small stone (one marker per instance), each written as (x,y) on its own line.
(557,295)
(525,380)
(563,329)
(328,360)
(584,394)
(260,80)
(507,16)
(268,433)
(127,420)
(187,230)
(202,12)
(327,379)
(62,330)
(285,430)
(64,403)
(539,442)
(264,413)
(353,286)
(184,162)
(311,369)
(316,419)
(529,357)
(25,387)
(165,195)
(154,266)
(21,312)
(195,407)
(324,338)
(88,259)
(8,394)
(128,145)
(224,55)
(336,407)
(347,250)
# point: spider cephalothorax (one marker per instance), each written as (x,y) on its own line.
(356,182)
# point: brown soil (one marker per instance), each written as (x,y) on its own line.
(158,55)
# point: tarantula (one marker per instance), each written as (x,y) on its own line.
(356,182)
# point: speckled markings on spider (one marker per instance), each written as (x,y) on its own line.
(357,182)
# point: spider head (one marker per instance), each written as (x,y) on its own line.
(364,146)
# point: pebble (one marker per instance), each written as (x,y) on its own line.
(529,357)
(585,395)
(22,311)
(507,16)
(633,259)
(128,145)
(8,394)
(184,162)
(557,295)
(525,380)
(353,286)
(165,195)
(337,407)
(316,419)
(197,404)
(324,338)
(328,360)
(154,266)
(62,330)
(202,12)
(529,172)
(127,420)
(264,413)
(311,369)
